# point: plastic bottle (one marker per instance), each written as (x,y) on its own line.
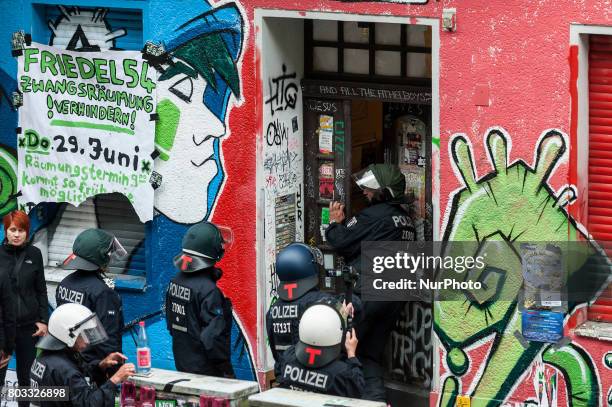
(147,396)
(143,352)
(128,394)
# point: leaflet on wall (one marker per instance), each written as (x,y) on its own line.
(326,180)
(543,276)
(542,326)
(326,134)
(284,209)
(86,126)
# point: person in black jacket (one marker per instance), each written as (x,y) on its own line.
(316,363)
(383,220)
(72,329)
(198,315)
(22,263)
(297,267)
(91,254)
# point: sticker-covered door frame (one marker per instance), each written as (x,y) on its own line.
(260,15)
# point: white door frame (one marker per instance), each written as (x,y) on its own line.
(260,15)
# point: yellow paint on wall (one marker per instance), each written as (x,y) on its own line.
(463,401)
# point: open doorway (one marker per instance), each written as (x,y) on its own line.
(367,99)
(367,94)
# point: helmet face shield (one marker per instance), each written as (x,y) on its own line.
(227,234)
(116,249)
(90,331)
(365,179)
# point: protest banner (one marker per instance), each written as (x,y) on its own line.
(86,126)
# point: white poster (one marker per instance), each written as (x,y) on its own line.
(86,126)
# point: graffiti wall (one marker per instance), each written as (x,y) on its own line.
(198,87)
(229,137)
(282,163)
(483,353)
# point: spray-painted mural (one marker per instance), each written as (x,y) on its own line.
(84,30)
(484,355)
(198,85)
(8,158)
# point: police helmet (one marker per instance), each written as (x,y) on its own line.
(92,250)
(69,322)
(204,244)
(297,268)
(321,331)
(384,178)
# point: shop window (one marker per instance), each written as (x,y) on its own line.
(600,160)
(368,52)
(92,29)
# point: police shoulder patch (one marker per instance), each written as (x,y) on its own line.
(351,222)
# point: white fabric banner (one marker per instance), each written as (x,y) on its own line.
(85,126)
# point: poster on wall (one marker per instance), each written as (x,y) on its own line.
(86,126)
(326,134)
(544,275)
(285,221)
(326,180)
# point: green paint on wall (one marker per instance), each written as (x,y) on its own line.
(8,182)
(497,212)
(165,127)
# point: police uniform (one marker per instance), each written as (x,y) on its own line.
(89,289)
(379,222)
(382,221)
(342,377)
(283,320)
(199,319)
(63,368)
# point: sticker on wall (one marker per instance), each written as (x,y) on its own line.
(542,326)
(285,220)
(326,180)
(324,222)
(413,132)
(324,216)
(294,124)
(326,134)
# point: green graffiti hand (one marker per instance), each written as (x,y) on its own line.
(511,204)
(8,182)
(514,200)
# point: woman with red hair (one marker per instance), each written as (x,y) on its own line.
(22,263)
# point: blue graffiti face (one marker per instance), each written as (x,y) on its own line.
(188,137)
(194,89)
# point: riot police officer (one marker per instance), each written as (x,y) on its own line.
(317,363)
(383,220)
(73,328)
(297,267)
(91,253)
(198,315)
